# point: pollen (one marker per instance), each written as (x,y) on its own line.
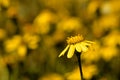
(75,39)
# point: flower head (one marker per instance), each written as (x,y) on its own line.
(77,43)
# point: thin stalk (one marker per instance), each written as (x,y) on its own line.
(80,65)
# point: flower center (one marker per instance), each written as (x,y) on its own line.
(75,39)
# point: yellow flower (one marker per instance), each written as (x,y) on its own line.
(77,43)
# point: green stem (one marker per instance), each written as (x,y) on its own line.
(80,65)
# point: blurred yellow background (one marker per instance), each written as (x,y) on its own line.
(34,32)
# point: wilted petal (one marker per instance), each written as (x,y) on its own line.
(63,52)
(71,51)
(78,47)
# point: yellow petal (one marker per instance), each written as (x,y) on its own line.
(71,51)
(84,48)
(89,42)
(78,47)
(63,52)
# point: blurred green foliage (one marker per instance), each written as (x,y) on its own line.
(34,32)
